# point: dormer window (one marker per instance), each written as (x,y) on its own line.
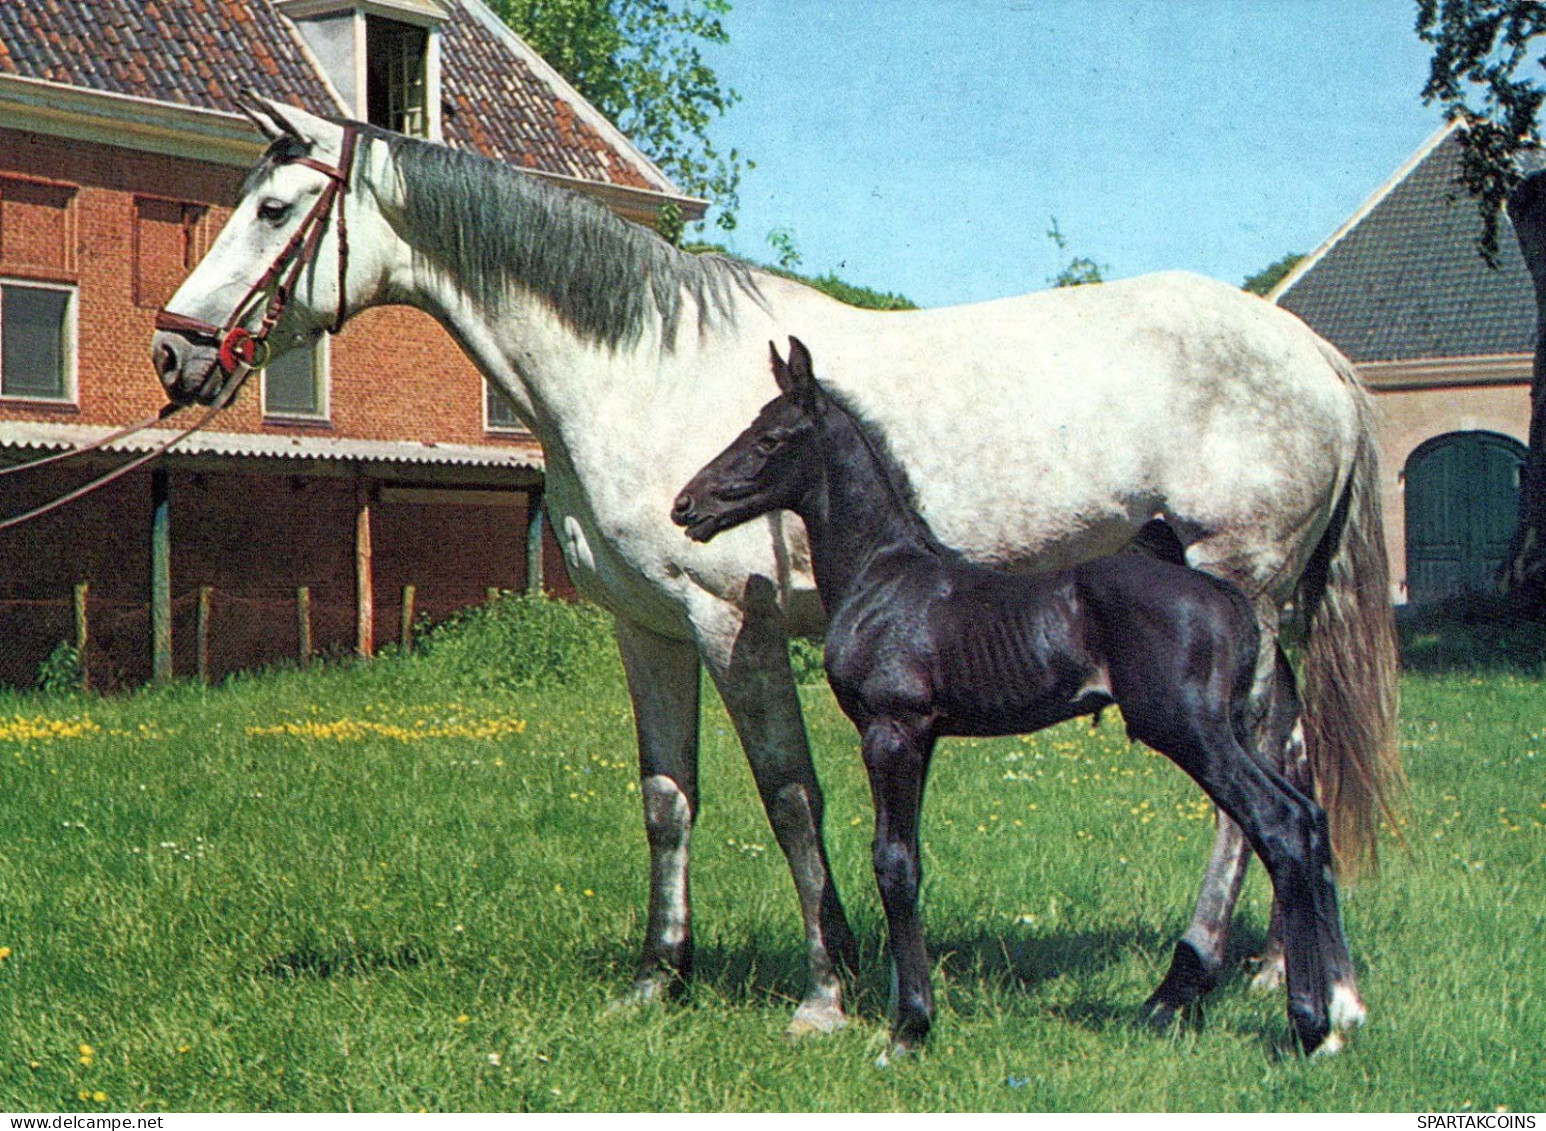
(382,56)
(396,79)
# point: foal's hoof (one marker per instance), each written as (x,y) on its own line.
(648,992)
(897,1051)
(1333,1044)
(815,1018)
(1159,1016)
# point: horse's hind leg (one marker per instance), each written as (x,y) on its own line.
(663,684)
(749,662)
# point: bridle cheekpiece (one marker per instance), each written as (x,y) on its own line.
(239,350)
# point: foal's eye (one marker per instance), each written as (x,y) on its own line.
(769,442)
(273,211)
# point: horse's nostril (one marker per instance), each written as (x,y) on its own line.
(682,507)
(167,361)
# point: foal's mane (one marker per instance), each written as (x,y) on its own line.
(895,476)
(492,226)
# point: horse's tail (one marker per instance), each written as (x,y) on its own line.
(1351,669)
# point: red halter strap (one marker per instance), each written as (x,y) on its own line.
(240,348)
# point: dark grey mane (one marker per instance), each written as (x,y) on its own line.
(891,468)
(493,227)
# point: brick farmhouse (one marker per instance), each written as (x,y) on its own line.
(301,518)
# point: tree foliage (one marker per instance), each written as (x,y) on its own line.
(1264,280)
(1479,48)
(1079,270)
(640,62)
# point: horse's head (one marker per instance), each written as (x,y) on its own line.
(771,466)
(276,275)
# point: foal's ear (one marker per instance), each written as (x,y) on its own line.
(780,371)
(802,377)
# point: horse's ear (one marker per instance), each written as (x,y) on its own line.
(802,376)
(780,371)
(264,114)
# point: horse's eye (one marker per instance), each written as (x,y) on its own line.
(273,211)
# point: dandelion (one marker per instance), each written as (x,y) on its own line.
(5,952)
(462,1019)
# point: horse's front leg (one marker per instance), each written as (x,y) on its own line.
(663,684)
(747,654)
(896,757)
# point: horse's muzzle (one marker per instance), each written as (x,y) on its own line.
(189,372)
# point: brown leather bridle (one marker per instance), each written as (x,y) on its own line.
(239,350)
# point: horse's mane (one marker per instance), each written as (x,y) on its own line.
(492,226)
(891,469)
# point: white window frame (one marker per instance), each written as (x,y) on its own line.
(71,393)
(321,362)
(490,391)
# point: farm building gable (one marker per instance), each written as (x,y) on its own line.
(1445,342)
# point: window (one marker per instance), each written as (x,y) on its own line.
(501,412)
(36,337)
(396,83)
(168,243)
(295,385)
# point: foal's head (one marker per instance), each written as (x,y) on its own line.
(770,466)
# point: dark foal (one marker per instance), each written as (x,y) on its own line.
(922,643)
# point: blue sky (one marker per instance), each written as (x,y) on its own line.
(923,146)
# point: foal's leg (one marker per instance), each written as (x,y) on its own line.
(749,661)
(1287,830)
(663,684)
(1199,955)
(897,759)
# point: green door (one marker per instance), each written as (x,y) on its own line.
(1462,500)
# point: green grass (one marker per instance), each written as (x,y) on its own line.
(420,883)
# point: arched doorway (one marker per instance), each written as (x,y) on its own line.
(1462,500)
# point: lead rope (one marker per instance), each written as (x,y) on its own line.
(138,462)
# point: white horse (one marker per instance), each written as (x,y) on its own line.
(1040,432)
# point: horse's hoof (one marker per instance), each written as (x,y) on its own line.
(1269,975)
(1345,1009)
(815,1017)
(647,993)
(1159,1016)
(1333,1044)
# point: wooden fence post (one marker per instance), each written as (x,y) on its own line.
(405,635)
(365,596)
(82,631)
(303,623)
(534,577)
(201,631)
(160,575)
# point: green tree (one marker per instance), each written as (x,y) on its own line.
(640,62)
(1483,74)
(1078,271)
(1479,47)
(1264,280)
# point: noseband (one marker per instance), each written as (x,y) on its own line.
(239,350)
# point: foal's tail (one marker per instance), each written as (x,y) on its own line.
(1351,668)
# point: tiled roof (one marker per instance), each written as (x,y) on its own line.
(1406,281)
(485,66)
(500,98)
(199,53)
